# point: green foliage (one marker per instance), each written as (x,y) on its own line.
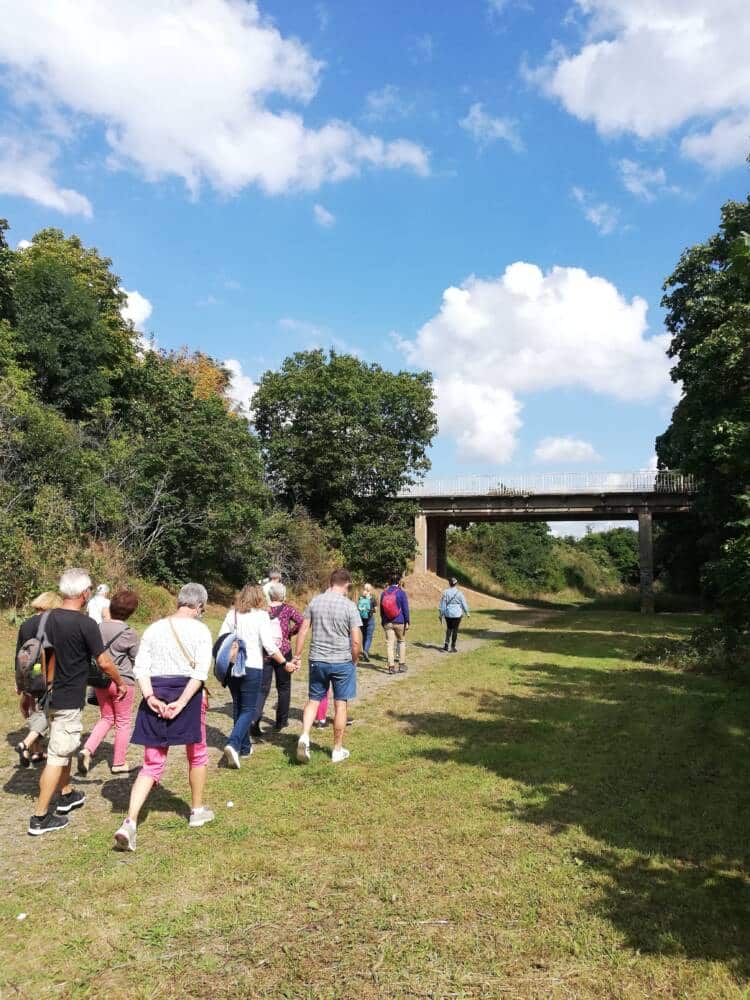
(617,548)
(375,551)
(340,436)
(68,324)
(708,315)
(519,557)
(128,464)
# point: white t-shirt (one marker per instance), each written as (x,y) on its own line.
(159,654)
(254,628)
(96,606)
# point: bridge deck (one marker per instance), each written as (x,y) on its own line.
(549,484)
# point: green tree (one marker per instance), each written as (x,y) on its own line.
(70,333)
(617,547)
(376,550)
(519,556)
(708,315)
(340,436)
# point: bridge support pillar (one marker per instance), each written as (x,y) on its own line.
(420,534)
(431,531)
(646,554)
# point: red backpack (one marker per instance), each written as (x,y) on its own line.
(389,604)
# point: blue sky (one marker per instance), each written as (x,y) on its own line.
(493,190)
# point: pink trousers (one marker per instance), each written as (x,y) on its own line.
(155,758)
(113,713)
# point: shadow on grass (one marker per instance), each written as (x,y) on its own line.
(651,764)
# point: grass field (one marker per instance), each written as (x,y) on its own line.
(539,816)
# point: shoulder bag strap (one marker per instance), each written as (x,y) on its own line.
(116,637)
(188,657)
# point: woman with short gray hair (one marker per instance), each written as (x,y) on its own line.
(285,621)
(171,668)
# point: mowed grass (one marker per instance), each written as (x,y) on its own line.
(541,817)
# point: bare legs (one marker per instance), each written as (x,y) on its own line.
(52,778)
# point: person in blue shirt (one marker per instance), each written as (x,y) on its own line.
(452,608)
(394,617)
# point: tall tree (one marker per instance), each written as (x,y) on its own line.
(69,327)
(708,315)
(341,436)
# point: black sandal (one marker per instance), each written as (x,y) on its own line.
(24,757)
(391,670)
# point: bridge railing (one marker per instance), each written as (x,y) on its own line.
(563,483)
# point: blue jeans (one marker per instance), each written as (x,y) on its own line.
(244,692)
(368,631)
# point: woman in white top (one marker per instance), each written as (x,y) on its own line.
(250,622)
(171,668)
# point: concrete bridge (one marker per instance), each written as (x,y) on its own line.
(612,496)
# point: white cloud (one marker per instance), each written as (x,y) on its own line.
(24,244)
(724,145)
(603,216)
(565,449)
(184,89)
(137,309)
(26,171)
(241,387)
(484,129)
(483,419)
(649,67)
(323,217)
(497,340)
(388,103)
(642,181)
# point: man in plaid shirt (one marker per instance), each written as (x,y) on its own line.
(335,647)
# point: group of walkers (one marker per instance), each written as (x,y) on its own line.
(78,640)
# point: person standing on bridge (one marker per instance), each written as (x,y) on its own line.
(452,608)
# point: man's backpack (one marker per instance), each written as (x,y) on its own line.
(389,604)
(364,607)
(31,661)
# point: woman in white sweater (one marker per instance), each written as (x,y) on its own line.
(249,621)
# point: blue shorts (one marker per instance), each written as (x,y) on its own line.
(343,676)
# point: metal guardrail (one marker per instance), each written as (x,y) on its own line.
(554,483)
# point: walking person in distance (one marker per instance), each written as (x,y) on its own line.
(452,608)
(395,619)
(367,606)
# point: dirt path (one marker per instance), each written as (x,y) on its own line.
(107,795)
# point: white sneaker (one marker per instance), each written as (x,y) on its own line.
(125,836)
(232,757)
(199,817)
(303,749)
(338,755)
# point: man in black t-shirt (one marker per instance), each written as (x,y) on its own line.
(75,640)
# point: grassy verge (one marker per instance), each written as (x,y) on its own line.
(541,816)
